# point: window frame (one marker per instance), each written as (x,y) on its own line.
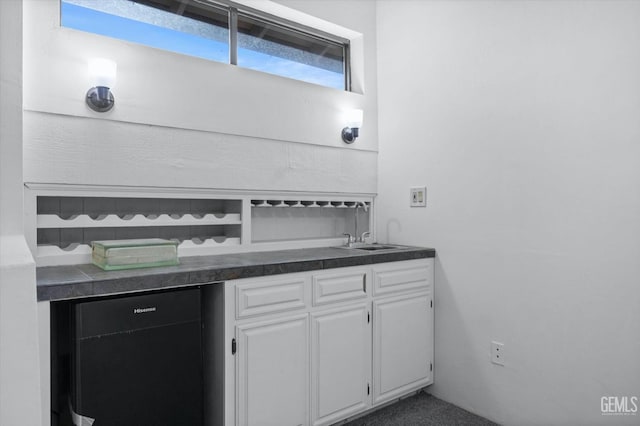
(235,9)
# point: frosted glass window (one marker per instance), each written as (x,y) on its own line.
(191,29)
(218,32)
(271,48)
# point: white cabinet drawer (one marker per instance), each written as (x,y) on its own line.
(398,277)
(265,296)
(339,287)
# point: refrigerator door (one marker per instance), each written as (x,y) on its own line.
(138,360)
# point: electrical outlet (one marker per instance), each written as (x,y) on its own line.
(418,196)
(497,353)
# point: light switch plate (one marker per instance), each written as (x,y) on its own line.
(418,196)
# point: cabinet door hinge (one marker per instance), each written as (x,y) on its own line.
(233,346)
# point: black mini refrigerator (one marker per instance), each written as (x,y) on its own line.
(137,360)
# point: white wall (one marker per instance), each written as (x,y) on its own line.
(523,120)
(187,122)
(178,122)
(19,366)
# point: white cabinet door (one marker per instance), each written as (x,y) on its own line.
(340,362)
(273,372)
(403,345)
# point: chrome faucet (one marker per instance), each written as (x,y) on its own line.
(354,239)
(350,239)
(357,213)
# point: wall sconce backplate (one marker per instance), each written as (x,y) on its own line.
(100,99)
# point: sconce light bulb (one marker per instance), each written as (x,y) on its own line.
(102,72)
(353,118)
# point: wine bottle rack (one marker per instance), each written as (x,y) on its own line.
(62,220)
(67,225)
(310,203)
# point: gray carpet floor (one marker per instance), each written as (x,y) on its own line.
(421,410)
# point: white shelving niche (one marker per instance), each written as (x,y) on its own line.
(308,221)
(62,221)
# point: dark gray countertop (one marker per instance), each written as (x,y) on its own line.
(76,281)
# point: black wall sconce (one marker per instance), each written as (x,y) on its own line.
(353,119)
(102,76)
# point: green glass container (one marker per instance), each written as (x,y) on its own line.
(114,255)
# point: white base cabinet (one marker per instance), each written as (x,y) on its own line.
(340,364)
(316,348)
(403,346)
(273,372)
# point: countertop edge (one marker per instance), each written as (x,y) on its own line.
(55,283)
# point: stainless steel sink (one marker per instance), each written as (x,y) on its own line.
(370,247)
(374,247)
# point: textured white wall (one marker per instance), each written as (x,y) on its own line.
(19,362)
(66,149)
(522,119)
(171,108)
